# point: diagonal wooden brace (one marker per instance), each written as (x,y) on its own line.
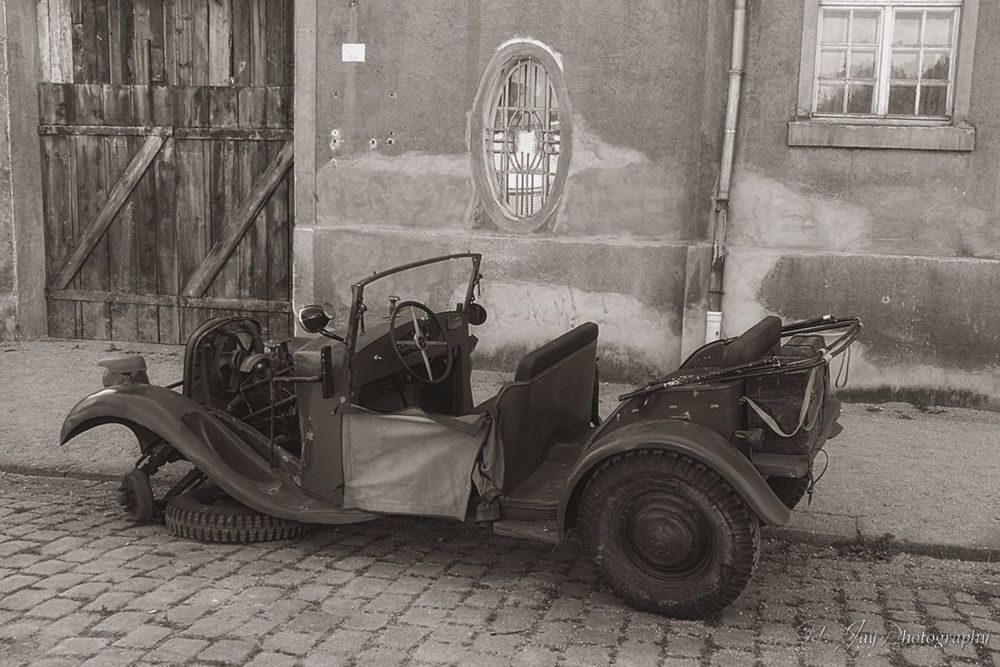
(109,209)
(238,224)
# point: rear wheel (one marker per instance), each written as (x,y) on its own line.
(670,535)
(135,495)
(208,514)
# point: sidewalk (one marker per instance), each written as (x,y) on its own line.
(924,481)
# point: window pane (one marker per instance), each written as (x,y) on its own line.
(936,65)
(902,100)
(862,64)
(934,101)
(830,99)
(905,65)
(835,26)
(859,98)
(906,29)
(864,29)
(832,63)
(938,29)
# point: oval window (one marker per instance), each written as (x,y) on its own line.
(521,136)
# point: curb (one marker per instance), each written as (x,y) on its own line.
(889,545)
(780,534)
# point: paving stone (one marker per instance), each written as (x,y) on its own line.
(229,651)
(144,637)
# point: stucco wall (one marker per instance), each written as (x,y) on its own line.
(393,173)
(871,232)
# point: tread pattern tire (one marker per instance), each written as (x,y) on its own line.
(790,490)
(734,547)
(207,514)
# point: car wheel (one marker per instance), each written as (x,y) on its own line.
(790,490)
(670,535)
(135,495)
(208,514)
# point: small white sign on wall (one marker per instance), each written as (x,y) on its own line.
(352,53)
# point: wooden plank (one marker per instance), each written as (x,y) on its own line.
(78,36)
(60,41)
(241,220)
(142,37)
(53,104)
(142,108)
(93,264)
(104,214)
(279,242)
(208,303)
(220,28)
(163,106)
(125,43)
(240,59)
(253,103)
(114,43)
(277,107)
(104,130)
(227,175)
(120,235)
(258,43)
(274,41)
(57,156)
(44,48)
(183,44)
(144,215)
(199,43)
(252,249)
(102,57)
(191,106)
(236,134)
(192,218)
(169,43)
(164,174)
(224,107)
(288,79)
(118,105)
(88,104)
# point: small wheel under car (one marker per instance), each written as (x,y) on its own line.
(135,495)
(670,535)
(208,514)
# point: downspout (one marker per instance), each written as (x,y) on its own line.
(713,318)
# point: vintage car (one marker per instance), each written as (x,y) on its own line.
(331,428)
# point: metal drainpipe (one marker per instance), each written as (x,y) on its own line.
(713,319)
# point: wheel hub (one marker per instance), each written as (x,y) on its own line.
(662,538)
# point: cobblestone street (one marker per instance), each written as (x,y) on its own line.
(78,584)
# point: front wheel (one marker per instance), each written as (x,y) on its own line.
(670,535)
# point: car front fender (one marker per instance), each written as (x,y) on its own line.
(691,440)
(154,413)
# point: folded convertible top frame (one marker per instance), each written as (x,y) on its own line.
(770,365)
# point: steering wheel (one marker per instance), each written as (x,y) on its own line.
(422,340)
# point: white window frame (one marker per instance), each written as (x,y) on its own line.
(874,131)
(883,72)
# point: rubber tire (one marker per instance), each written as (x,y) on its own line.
(135,495)
(790,490)
(207,514)
(733,554)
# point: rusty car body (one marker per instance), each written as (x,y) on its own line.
(329,428)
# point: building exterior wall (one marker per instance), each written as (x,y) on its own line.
(907,239)
(393,179)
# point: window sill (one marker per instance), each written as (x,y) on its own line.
(912,137)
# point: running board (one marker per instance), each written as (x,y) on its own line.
(539,531)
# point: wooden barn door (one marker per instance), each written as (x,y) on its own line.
(166,165)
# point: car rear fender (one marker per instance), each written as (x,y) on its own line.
(155,413)
(692,440)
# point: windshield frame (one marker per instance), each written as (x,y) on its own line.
(358,289)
